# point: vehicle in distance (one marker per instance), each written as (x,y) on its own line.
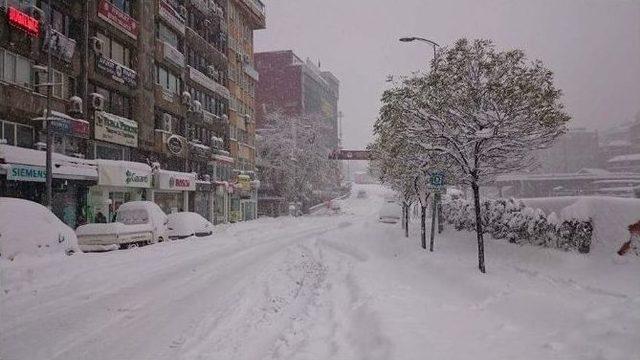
(186,224)
(390,213)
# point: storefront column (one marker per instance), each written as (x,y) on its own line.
(151,195)
(185,201)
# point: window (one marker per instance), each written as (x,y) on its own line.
(15,69)
(60,90)
(115,102)
(111,152)
(167,35)
(168,80)
(123,5)
(115,50)
(16,134)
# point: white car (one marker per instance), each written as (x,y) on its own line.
(390,213)
(186,224)
(390,198)
(30,228)
(137,223)
(362,194)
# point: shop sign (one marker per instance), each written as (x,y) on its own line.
(170,180)
(171,16)
(26,173)
(117,18)
(70,127)
(120,175)
(23,21)
(116,129)
(60,46)
(244,183)
(175,145)
(119,73)
(172,54)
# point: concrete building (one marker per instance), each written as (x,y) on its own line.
(243,17)
(137,81)
(575,150)
(298,88)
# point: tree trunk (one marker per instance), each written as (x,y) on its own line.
(476,198)
(440,217)
(434,211)
(423,225)
(404,209)
(406,222)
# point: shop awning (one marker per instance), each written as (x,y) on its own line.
(64,167)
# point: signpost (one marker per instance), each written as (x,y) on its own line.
(436,184)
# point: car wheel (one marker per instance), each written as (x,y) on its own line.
(132,246)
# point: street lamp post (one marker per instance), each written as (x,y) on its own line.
(430,42)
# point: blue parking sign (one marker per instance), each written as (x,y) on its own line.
(436,180)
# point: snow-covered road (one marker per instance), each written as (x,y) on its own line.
(321,287)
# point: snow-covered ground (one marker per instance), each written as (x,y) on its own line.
(321,287)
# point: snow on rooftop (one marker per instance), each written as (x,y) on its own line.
(622,158)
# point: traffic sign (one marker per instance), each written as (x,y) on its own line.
(437,180)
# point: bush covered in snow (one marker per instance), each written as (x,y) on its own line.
(510,219)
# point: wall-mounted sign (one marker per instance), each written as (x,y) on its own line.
(175,144)
(119,73)
(71,127)
(24,22)
(61,46)
(171,16)
(116,129)
(116,17)
(177,181)
(26,173)
(123,174)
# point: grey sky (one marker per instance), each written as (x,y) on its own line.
(593,46)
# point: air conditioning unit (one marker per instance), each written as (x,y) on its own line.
(97,45)
(183,12)
(36,13)
(186,98)
(196,106)
(97,101)
(75,105)
(166,122)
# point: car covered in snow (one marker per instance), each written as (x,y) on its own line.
(186,224)
(137,223)
(28,228)
(390,213)
(362,194)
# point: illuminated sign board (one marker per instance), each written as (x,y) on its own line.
(23,21)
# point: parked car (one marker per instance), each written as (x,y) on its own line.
(29,228)
(137,223)
(390,213)
(362,194)
(390,198)
(186,224)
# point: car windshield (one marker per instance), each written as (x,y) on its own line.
(133,216)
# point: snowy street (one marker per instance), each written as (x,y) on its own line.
(321,287)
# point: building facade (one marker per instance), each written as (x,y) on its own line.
(573,151)
(134,81)
(298,88)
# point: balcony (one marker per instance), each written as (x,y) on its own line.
(215,45)
(170,54)
(257,10)
(208,7)
(169,14)
(251,71)
(208,83)
(61,46)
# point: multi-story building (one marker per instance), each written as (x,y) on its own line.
(577,149)
(298,88)
(243,17)
(134,81)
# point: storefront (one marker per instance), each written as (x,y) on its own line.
(23,175)
(203,200)
(171,190)
(246,193)
(118,182)
(221,202)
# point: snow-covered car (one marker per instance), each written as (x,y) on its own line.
(30,228)
(390,198)
(137,223)
(186,224)
(390,213)
(362,194)
(335,205)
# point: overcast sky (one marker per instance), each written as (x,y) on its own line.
(593,46)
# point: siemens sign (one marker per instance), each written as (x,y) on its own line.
(26,173)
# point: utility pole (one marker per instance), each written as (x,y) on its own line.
(49,167)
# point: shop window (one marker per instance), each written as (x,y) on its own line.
(111,152)
(24,135)
(59,90)
(60,22)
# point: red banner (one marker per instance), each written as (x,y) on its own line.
(23,21)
